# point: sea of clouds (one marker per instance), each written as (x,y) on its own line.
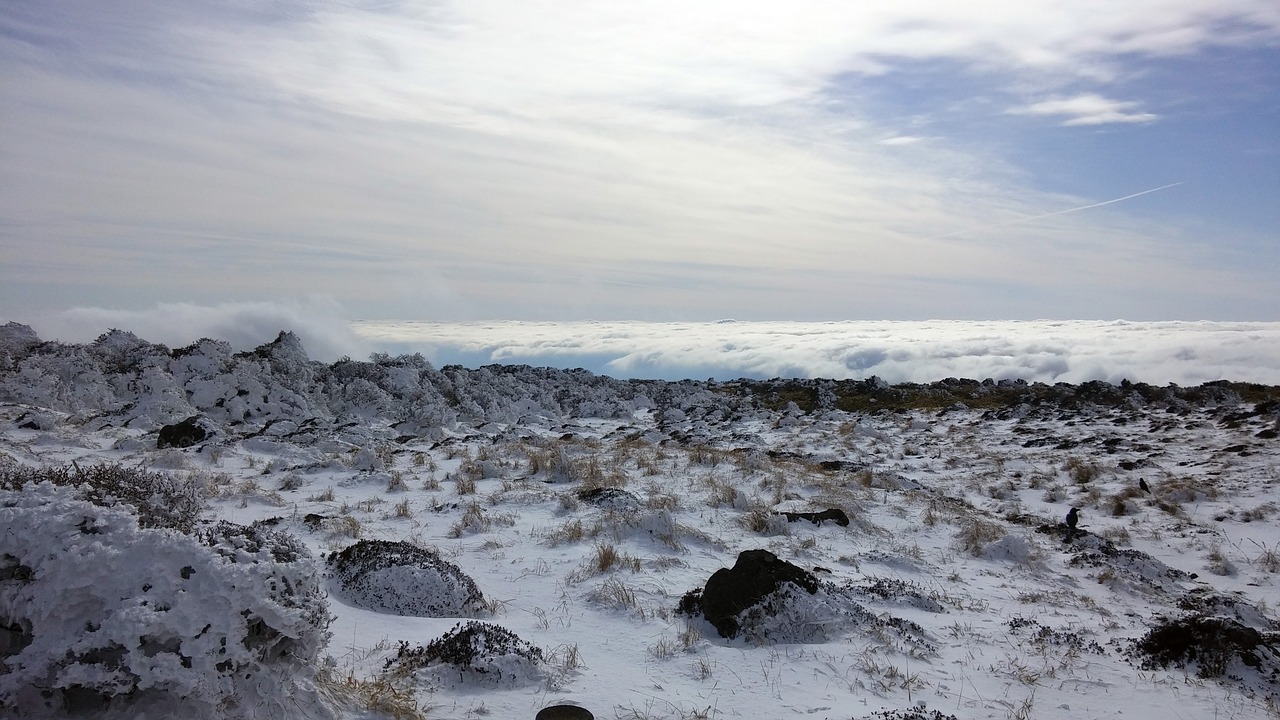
(1186,353)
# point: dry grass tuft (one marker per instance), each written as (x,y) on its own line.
(572,531)
(761,519)
(1117,535)
(464,483)
(474,519)
(614,593)
(719,492)
(976,533)
(1121,503)
(1186,489)
(1219,563)
(379,695)
(1082,471)
(1269,560)
(326,496)
(606,557)
(343,526)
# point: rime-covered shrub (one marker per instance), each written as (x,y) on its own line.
(16,340)
(609,498)
(473,652)
(404,579)
(159,499)
(1213,645)
(105,619)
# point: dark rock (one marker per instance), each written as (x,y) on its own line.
(182,435)
(757,573)
(836,515)
(564,712)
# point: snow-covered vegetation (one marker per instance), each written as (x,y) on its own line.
(203,533)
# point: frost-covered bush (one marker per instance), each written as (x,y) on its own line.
(16,340)
(404,579)
(159,500)
(105,619)
(475,652)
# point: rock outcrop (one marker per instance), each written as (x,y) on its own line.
(756,574)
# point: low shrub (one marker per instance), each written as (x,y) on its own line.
(150,622)
(405,579)
(158,499)
(477,652)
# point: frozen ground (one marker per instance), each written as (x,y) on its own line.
(955,492)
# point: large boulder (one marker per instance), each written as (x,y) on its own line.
(763,599)
(755,575)
(404,579)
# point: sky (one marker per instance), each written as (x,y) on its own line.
(659,161)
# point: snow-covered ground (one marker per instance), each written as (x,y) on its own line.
(585,509)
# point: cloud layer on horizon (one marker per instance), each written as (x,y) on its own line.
(1187,353)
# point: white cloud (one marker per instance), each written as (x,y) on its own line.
(492,158)
(902,140)
(1037,351)
(1088,109)
(491,63)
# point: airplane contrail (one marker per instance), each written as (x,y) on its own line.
(1052,214)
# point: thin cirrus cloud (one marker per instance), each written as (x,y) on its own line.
(505,159)
(1088,109)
